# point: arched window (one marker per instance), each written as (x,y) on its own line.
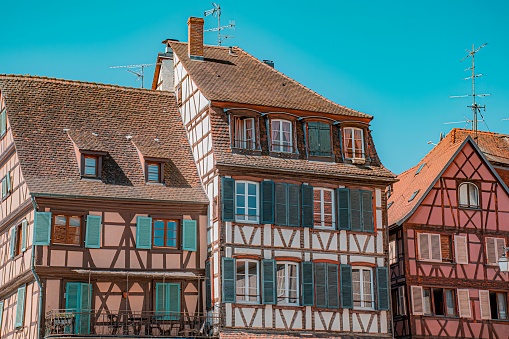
(468,195)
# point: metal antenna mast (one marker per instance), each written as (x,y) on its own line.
(138,70)
(216,11)
(476,108)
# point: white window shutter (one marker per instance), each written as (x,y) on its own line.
(417,300)
(484,301)
(491,251)
(436,247)
(461,246)
(424,246)
(464,304)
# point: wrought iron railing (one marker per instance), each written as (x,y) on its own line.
(63,323)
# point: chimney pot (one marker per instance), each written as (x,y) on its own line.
(195,38)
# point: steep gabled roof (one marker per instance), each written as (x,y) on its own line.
(239,77)
(50,117)
(495,146)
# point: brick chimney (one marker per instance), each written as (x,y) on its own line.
(195,32)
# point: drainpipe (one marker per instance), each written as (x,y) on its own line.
(32,268)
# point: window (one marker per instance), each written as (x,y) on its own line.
(281,136)
(390,204)
(3,122)
(167,301)
(6,185)
(355,210)
(498,305)
(326,285)
(362,286)
(244,133)
(154,172)
(398,300)
(435,247)
(18,239)
(468,195)
(178,90)
(319,139)
(439,301)
(393,250)
(78,297)
(412,197)
(323,206)
(165,233)
(353,142)
(420,168)
(246,201)
(287,204)
(287,283)
(90,166)
(495,248)
(66,229)
(247,284)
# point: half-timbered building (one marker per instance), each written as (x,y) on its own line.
(447,232)
(297,224)
(103,217)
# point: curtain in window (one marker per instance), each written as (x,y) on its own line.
(358,143)
(287,135)
(426,293)
(348,143)
(449,302)
(239,133)
(473,195)
(249,133)
(276,135)
(502,305)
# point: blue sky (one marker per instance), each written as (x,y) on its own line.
(396,60)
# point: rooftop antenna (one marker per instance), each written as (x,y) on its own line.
(138,70)
(476,108)
(216,11)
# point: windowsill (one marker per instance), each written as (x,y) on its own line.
(249,303)
(153,183)
(246,151)
(94,179)
(285,155)
(363,309)
(247,221)
(285,305)
(473,208)
(436,261)
(324,228)
(67,246)
(174,250)
(323,158)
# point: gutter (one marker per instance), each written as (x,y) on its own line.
(32,268)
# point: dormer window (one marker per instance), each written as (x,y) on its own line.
(244,133)
(154,172)
(319,139)
(353,141)
(91,164)
(281,136)
(3,122)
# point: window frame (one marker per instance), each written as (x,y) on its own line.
(399,300)
(19,240)
(287,279)
(353,150)
(6,184)
(246,206)
(242,298)
(362,293)
(497,255)
(433,303)
(322,209)
(469,204)
(496,308)
(98,163)
(430,247)
(393,249)
(3,120)
(280,144)
(67,216)
(243,143)
(317,153)
(160,166)
(165,234)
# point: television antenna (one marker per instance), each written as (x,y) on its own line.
(216,11)
(138,70)
(476,108)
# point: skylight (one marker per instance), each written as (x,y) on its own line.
(390,204)
(413,195)
(420,168)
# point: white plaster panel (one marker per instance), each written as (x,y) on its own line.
(228,311)
(346,320)
(254,251)
(306,237)
(228,228)
(288,253)
(307,256)
(328,256)
(342,240)
(361,258)
(380,262)
(379,223)
(268,316)
(309,312)
(378,197)
(380,242)
(383,322)
(229,252)
(267,254)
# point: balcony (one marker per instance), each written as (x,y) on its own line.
(66,324)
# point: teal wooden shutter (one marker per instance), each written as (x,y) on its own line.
(307,205)
(189,233)
(208,286)
(280,204)
(356,210)
(293,199)
(20,306)
(229,283)
(346,286)
(1,314)
(144,232)
(9,183)
(269,281)
(173,300)
(367,211)
(160,298)
(314,138)
(42,228)
(321,284)
(382,283)
(13,242)
(83,321)
(3,122)
(228,199)
(343,207)
(24,225)
(325,139)
(332,286)
(93,231)
(72,296)
(267,202)
(308,292)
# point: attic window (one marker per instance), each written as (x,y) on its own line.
(91,164)
(412,197)
(178,94)
(154,171)
(3,122)
(420,168)
(390,204)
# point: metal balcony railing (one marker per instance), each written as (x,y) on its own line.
(65,323)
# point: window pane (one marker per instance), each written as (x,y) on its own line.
(292,283)
(348,143)
(75,221)
(253,281)
(449,299)
(502,305)
(90,166)
(158,242)
(473,195)
(281,283)
(356,287)
(240,188)
(366,280)
(241,280)
(60,220)
(427,300)
(153,172)
(159,224)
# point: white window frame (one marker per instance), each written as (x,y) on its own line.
(280,145)
(353,149)
(497,254)
(401,302)
(361,288)
(468,186)
(240,136)
(322,209)
(246,282)
(393,249)
(430,247)
(245,217)
(286,282)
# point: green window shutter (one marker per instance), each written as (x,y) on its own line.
(356,210)
(367,211)
(332,285)
(325,140)
(72,296)
(20,306)
(189,233)
(83,320)
(24,226)
(269,281)
(42,228)
(3,122)
(8,179)
(343,204)
(267,202)
(144,232)
(321,284)
(1,315)
(229,288)
(280,204)
(346,286)
(314,138)
(93,231)
(208,286)
(293,199)
(307,205)
(382,283)
(308,291)
(228,198)
(13,241)
(160,298)
(173,300)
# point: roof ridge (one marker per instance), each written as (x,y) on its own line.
(28,77)
(482,132)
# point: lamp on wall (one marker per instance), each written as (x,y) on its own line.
(503,261)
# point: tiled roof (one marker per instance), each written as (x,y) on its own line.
(45,114)
(241,78)
(494,146)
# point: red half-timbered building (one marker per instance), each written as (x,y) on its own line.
(103,217)
(447,231)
